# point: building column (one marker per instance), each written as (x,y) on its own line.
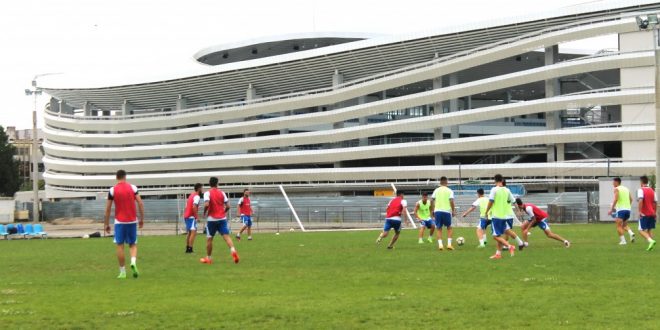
(250,94)
(181,103)
(467,103)
(552,120)
(363,121)
(54,105)
(337,79)
(87,109)
(437,109)
(65,108)
(453,105)
(126,108)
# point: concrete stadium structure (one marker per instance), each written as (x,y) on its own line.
(348,112)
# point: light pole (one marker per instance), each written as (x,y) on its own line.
(35,149)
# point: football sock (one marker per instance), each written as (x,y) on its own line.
(232,249)
(439,243)
(449,241)
(133,260)
(630,232)
(520,242)
(481,241)
(122,269)
(498,252)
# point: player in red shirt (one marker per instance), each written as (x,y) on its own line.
(216,206)
(245,213)
(538,218)
(395,209)
(190,216)
(125,197)
(648,203)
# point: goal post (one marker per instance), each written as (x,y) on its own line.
(293,211)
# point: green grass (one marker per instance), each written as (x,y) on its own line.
(333,280)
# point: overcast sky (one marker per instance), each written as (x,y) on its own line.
(123,35)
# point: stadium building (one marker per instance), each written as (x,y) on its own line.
(351,113)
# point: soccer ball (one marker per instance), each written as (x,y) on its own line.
(85,236)
(460,241)
(292,229)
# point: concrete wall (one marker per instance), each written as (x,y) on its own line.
(7,210)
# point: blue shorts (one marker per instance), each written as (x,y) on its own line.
(623,215)
(125,233)
(247,220)
(499,226)
(510,223)
(191,223)
(392,224)
(483,223)
(427,223)
(646,223)
(543,225)
(442,219)
(214,226)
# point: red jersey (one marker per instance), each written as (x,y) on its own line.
(244,206)
(123,195)
(217,200)
(193,200)
(535,211)
(647,195)
(395,208)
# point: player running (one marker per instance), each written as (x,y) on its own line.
(216,205)
(499,202)
(125,196)
(621,211)
(482,204)
(443,209)
(538,218)
(648,203)
(423,214)
(245,213)
(395,209)
(190,216)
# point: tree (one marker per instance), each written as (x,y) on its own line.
(9,179)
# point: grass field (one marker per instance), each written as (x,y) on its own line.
(333,280)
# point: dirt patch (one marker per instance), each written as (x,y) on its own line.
(72,221)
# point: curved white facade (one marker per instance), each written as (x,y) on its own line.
(518,97)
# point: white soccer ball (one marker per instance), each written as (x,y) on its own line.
(85,236)
(292,229)
(277,233)
(460,241)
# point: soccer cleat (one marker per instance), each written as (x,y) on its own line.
(623,243)
(234,255)
(496,256)
(249,238)
(430,239)
(481,246)
(651,245)
(567,244)
(420,241)
(450,247)
(205,260)
(485,242)
(134,269)
(632,238)
(389,247)
(512,250)
(378,240)
(121,275)
(238,238)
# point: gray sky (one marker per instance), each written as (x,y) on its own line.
(124,35)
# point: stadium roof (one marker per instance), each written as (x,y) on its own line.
(309,69)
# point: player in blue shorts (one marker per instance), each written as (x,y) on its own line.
(443,208)
(245,213)
(621,206)
(422,212)
(395,209)
(647,204)
(482,204)
(190,216)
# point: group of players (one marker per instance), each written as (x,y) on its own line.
(496,211)
(129,216)
(434,214)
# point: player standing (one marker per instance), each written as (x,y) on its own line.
(190,216)
(245,213)
(499,202)
(482,204)
(621,206)
(125,196)
(216,205)
(648,203)
(395,209)
(443,209)
(538,218)
(423,214)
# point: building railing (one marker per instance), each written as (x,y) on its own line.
(371,78)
